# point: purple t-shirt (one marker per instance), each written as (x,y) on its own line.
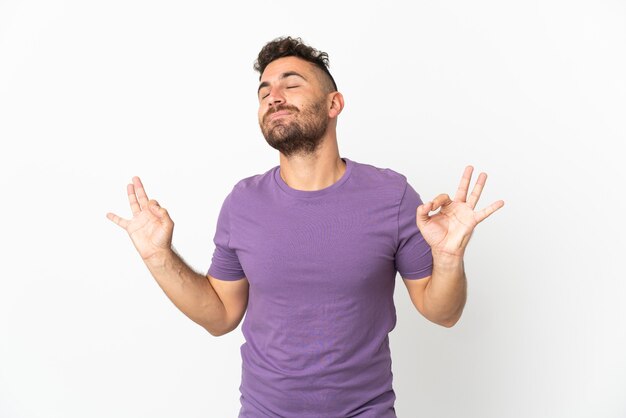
(321,267)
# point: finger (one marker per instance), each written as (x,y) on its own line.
(461,192)
(157,210)
(154,206)
(441,200)
(421,215)
(141,192)
(132,199)
(120,221)
(477,190)
(485,213)
(423,210)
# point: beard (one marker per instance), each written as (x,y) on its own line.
(302,131)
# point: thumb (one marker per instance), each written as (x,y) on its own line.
(421,215)
(156,209)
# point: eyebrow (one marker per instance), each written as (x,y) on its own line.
(282,76)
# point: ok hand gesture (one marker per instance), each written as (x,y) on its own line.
(448,231)
(151,228)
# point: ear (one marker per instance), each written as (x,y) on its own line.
(336,104)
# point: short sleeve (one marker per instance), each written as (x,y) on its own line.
(225,264)
(413,255)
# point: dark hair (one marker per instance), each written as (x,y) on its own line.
(292,47)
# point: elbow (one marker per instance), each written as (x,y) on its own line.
(450,318)
(217,332)
(447,321)
(450,322)
(214,330)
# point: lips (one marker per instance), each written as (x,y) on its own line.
(279,112)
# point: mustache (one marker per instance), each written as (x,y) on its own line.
(278,108)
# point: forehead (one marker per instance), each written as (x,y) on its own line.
(282,65)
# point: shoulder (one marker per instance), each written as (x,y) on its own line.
(380,178)
(253,186)
(378,174)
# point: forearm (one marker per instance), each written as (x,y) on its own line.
(191,292)
(446,293)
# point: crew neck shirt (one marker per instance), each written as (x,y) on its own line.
(321,267)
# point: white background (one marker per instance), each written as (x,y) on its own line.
(93,93)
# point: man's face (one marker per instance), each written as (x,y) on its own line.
(293,113)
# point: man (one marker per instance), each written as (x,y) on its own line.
(309,251)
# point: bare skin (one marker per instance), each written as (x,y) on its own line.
(441,297)
(280,87)
(449,230)
(293,85)
(215,305)
(150,228)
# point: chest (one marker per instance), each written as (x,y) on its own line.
(339,246)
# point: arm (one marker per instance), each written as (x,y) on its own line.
(442,296)
(216,305)
(218,308)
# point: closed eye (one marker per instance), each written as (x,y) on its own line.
(288,87)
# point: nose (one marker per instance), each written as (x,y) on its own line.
(275,98)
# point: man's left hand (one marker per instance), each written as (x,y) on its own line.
(449,230)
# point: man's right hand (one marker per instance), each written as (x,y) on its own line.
(151,228)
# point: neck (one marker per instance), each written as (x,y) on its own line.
(314,171)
